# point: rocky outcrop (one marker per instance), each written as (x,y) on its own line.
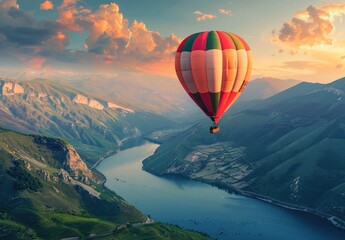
(75,163)
(89,102)
(47,176)
(81,99)
(65,177)
(41,95)
(95,104)
(10,88)
(113,105)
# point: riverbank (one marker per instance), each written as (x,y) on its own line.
(122,145)
(337,222)
(203,207)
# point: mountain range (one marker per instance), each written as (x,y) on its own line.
(286,149)
(94,126)
(262,88)
(157,94)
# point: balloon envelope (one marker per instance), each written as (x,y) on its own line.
(213,68)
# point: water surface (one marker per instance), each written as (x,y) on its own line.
(204,208)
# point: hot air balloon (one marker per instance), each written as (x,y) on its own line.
(213,67)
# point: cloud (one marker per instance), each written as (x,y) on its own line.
(225,12)
(108,30)
(311,27)
(111,35)
(30,36)
(203,16)
(18,28)
(36,63)
(27,40)
(67,3)
(47,5)
(6,4)
(111,40)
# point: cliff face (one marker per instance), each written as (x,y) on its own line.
(113,105)
(10,88)
(88,101)
(75,163)
(95,104)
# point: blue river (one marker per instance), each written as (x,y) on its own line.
(201,207)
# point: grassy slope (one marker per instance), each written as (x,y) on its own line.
(32,204)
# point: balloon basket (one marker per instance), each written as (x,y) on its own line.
(215,128)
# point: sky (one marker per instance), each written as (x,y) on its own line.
(295,39)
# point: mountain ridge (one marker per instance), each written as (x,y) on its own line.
(262,88)
(287,147)
(92,125)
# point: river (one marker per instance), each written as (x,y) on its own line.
(201,207)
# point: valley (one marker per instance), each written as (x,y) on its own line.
(234,159)
(271,151)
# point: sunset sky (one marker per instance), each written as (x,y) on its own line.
(296,39)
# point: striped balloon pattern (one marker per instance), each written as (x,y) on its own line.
(213,67)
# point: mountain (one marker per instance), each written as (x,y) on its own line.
(48,192)
(94,126)
(261,88)
(152,93)
(287,149)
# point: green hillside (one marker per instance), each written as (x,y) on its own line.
(47,192)
(288,149)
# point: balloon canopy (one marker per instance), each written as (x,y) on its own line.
(213,67)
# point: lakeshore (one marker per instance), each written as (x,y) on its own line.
(201,207)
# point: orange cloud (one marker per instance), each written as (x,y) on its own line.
(203,16)
(149,43)
(67,3)
(110,34)
(5,4)
(311,27)
(108,29)
(111,40)
(47,5)
(70,14)
(225,12)
(59,41)
(36,63)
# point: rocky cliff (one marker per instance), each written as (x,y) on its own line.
(75,163)
(10,88)
(88,101)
